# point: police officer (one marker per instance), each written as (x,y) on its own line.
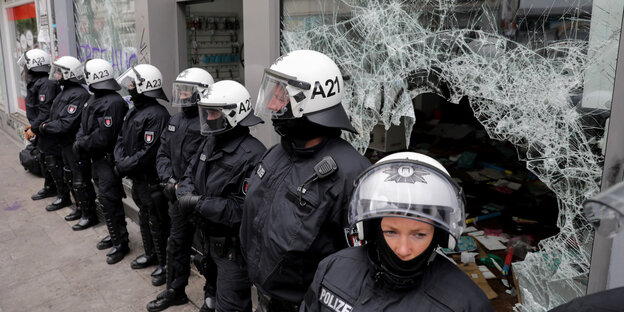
(179,143)
(294,212)
(61,128)
(214,186)
(135,157)
(100,124)
(403,207)
(40,92)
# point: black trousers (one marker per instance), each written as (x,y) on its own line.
(48,181)
(110,193)
(153,217)
(179,253)
(80,180)
(233,284)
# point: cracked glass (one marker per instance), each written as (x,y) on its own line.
(538,74)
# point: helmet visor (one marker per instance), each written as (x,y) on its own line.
(58,72)
(81,72)
(411,190)
(184,94)
(127,79)
(21,62)
(273,99)
(606,220)
(212,120)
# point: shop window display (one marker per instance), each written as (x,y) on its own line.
(530,76)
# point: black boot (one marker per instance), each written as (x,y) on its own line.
(45,192)
(169,297)
(117,253)
(58,203)
(105,243)
(143,261)
(74,215)
(88,217)
(159,276)
(120,245)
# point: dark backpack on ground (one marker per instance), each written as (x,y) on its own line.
(29,158)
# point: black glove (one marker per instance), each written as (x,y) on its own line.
(169,188)
(41,127)
(77,151)
(187,203)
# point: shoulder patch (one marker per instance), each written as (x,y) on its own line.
(260,171)
(41,97)
(71,109)
(108,121)
(333,302)
(148,137)
(171,128)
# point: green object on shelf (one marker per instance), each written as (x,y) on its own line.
(488,261)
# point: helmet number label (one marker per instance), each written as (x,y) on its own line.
(101,74)
(244,107)
(38,61)
(153,84)
(329,83)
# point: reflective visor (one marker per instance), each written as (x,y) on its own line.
(58,72)
(80,71)
(21,62)
(273,99)
(128,78)
(184,94)
(606,220)
(212,120)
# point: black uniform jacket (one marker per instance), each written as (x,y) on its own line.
(178,144)
(284,238)
(101,121)
(345,281)
(139,139)
(40,93)
(64,120)
(219,173)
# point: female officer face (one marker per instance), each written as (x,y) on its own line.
(408,238)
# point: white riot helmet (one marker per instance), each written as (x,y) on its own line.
(98,74)
(304,83)
(146,78)
(35,60)
(224,105)
(188,86)
(65,68)
(409,185)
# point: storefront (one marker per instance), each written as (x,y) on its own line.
(25,25)
(513,97)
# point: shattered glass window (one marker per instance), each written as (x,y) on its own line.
(536,73)
(106,29)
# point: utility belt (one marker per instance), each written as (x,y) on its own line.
(268,304)
(221,245)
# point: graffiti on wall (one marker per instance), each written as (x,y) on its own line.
(121,59)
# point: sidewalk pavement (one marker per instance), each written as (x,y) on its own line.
(45,266)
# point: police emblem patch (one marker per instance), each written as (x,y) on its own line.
(41,97)
(108,121)
(171,128)
(149,137)
(406,174)
(333,302)
(71,109)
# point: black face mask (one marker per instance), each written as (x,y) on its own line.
(190,111)
(393,271)
(140,100)
(300,130)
